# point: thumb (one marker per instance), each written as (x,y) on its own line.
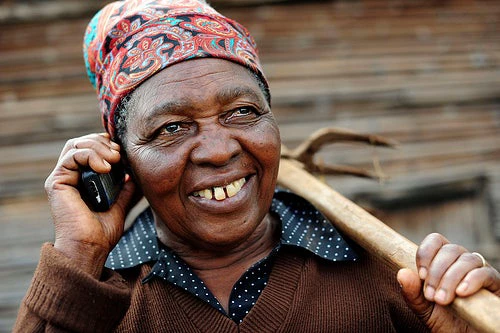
(127,198)
(114,219)
(411,289)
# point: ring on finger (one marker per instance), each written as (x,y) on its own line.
(480,257)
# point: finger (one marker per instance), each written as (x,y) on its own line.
(447,255)
(427,251)
(67,170)
(95,156)
(137,195)
(411,289)
(68,167)
(119,210)
(90,141)
(445,291)
(484,277)
(94,150)
(127,197)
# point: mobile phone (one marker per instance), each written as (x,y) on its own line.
(100,190)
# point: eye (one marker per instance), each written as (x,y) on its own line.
(172,132)
(242,114)
(172,128)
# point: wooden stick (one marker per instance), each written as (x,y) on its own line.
(481,310)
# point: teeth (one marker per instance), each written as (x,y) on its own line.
(206,193)
(220,192)
(238,184)
(231,190)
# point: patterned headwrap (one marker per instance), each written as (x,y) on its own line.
(129,41)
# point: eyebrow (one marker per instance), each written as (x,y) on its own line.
(168,107)
(234,93)
(222,97)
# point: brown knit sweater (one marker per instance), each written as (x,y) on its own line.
(304,294)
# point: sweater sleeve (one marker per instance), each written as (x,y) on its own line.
(62,298)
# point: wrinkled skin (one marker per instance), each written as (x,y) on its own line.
(196,125)
(205,123)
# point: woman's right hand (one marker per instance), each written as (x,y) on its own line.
(85,236)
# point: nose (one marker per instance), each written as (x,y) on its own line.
(215,146)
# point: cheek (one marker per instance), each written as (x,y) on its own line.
(157,171)
(269,144)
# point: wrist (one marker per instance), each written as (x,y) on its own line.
(89,258)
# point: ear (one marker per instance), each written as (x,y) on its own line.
(126,164)
(138,195)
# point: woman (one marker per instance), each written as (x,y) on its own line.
(186,107)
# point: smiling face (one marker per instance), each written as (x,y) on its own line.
(204,148)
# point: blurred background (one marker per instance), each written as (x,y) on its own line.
(424,73)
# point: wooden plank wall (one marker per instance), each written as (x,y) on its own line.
(424,73)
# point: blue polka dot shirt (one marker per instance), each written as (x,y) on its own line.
(301,225)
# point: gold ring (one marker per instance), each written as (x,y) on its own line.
(480,257)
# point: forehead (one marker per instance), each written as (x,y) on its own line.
(197,81)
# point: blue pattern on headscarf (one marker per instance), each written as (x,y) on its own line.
(90,35)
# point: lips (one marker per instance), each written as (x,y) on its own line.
(221,192)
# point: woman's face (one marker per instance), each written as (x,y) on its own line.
(205,148)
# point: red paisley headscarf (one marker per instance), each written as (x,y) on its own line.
(129,41)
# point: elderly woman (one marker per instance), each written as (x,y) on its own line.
(187,109)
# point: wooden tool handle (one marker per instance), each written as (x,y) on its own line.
(481,311)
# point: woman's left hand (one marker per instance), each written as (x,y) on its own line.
(445,271)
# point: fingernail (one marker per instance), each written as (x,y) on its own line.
(422,273)
(462,287)
(440,296)
(399,282)
(429,293)
(106,163)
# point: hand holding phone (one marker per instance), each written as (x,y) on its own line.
(73,192)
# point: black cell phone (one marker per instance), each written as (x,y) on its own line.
(100,190)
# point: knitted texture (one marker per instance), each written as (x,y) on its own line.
(304,294)
(90,299)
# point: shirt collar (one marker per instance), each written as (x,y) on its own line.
(302,225)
